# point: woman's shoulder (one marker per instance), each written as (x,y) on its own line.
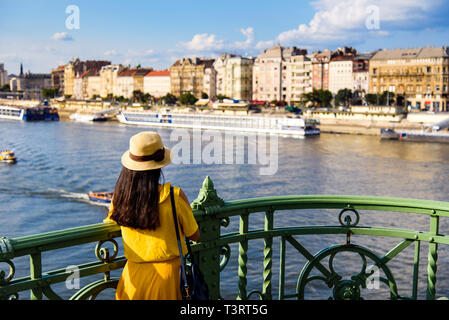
(177,191)
(183,196)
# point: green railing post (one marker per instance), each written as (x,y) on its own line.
(209,258)
(36,273)
(268,256)
(432,258)
(243,257)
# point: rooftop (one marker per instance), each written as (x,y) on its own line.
(132,72)
(414,53)
(159,73)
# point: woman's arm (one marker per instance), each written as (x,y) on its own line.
(196,236)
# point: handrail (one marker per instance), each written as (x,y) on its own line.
(213,215)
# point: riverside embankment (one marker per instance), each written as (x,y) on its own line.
(354,122)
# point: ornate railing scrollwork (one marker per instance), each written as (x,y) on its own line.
(103,253)
(225,251)
(4,280)
(345,288)
(91,291)
(345,217)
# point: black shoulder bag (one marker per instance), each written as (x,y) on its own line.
(193,286)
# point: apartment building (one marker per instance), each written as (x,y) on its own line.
(130,80)
(270,73)
(297,78)
(157,83)
(341,69)
(75,68)
(234,76)
(320,69)
(418,76)
(188,75)
(3,75)
(87,85)
(360,73)
(57,79)
(108,79)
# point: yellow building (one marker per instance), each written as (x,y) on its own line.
(75,68)
(420,76)
(188,75)
(108,79)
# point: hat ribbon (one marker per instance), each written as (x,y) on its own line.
(157,156)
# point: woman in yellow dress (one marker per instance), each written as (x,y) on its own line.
(142,207)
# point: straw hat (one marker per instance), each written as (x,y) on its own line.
(146,152)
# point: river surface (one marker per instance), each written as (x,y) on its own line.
(59,162)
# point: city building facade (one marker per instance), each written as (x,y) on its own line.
(419,77)
(57,79)
(188,75)
(3,75)
(87,85)
(270,73)
(341,69)
(234,76)
(130,80)
(108,79)
(360,73)
(157,83)
(75,68)
(297,77)
(320,69)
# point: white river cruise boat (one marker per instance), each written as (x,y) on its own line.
(297,127)
(36,113)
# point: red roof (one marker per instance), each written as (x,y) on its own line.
(132,72)
(161,73)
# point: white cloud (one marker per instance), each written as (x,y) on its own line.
(348,19)
(111,53)
(249,34)
(62,36)
(203,42)
(262,45)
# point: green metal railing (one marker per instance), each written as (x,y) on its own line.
(213,251)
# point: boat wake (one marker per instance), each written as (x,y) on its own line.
(81,197)
(52,193)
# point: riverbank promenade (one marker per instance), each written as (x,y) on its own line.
(219,249)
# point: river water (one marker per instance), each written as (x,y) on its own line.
(59,162)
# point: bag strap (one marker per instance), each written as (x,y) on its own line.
(181,256)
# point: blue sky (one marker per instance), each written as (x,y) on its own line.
(156,33)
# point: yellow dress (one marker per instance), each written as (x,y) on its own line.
(152,269)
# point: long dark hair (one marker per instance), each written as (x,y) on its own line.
(136,199)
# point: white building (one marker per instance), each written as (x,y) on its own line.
(157,83)
(78,93)
(340,74)
(234,76)
(125,84)
(360,75)
(297,79)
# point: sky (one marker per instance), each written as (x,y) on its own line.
(47,33)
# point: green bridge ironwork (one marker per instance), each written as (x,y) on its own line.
(213,251)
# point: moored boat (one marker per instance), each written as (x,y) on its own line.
(84,117)
(415,135)
(8,156)
(36,113)
(103,197)
(285,126)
